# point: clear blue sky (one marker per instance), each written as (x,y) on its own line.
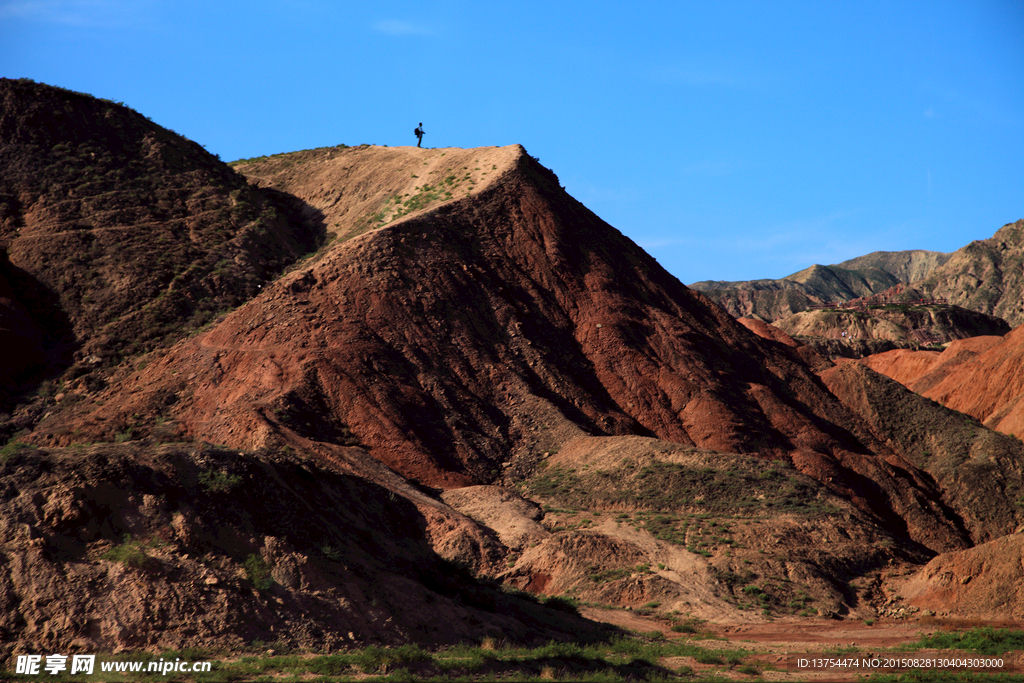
(732,140)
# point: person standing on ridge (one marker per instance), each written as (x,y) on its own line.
(419,134)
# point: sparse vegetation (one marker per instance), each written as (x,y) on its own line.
(258,572)
(670,488)
(331,553)
(218,481)
(983,640)
(14,446)
(288,157)
(628,658)
(130,552)
(344,525)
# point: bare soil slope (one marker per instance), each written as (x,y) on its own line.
(462,343)
(139,547)
(717,536)
(984,276)
(985,582)
(118,235)
(474,372)
(982,377)
(978,470)
(351,190)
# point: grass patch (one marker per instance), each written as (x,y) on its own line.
(982,640)
(670,488)
(14,447)
(628,658)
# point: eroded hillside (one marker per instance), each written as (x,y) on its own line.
(119,236)
(863,276)
(875,328)
(481,381)
(459,345)
(982,377)
(350,190)
(986,276)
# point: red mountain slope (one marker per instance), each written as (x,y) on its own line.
(470,339)
(983,377)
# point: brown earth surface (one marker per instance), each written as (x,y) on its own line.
(772,300)
(907,366)
(473,386)
(778,644)
(985,276)
(117,236)
(462,343)
(984,583)
(139,547)
(521,343)
(635,520)
(976,470)
(763,329)
(350,190)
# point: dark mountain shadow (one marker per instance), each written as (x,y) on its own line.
(35,333)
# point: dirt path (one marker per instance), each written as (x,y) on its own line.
(776,646)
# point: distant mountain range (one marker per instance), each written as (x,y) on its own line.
(984,276)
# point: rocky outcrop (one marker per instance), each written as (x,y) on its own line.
(143,547)
(986,275)
(863,276)
(874,329)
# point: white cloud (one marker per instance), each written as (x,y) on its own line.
(394,27)
(103,13)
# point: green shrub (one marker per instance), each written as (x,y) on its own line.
(13,447)
(330,552)
(218,482)
(708,658)
(130,553)
(258,572)
(563,603)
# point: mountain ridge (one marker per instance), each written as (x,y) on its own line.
(770,300)
(983,276)
(119,235)
(478,374)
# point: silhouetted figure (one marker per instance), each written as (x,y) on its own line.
(419,134)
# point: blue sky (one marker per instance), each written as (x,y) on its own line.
(732,140)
